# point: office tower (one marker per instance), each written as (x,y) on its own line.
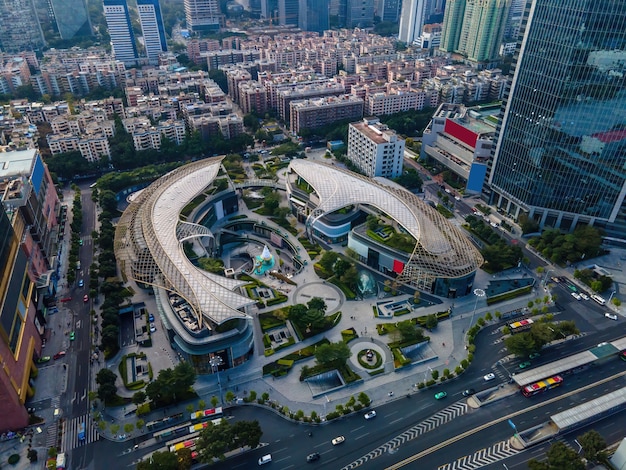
(375,149)
(121,32)
(474,28)
(288,12)
(560,151)
(19,26)
(359,13)
(202,15)
(71,17)
(269,10)
(389,10)
(313,15)
(411,20)
(152,27)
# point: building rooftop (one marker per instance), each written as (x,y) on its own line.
(19,162)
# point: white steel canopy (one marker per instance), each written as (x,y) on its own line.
(441,250)
(147,236)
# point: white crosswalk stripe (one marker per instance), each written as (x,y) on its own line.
(482,458)
(70,432)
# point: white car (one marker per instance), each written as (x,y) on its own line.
(584,296)
(489,376)
(610,316)
(338,440)
(370,414)
(576,296)
(152,328)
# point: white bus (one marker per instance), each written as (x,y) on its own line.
(598,299)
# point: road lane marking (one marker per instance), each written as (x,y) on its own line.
(357,429)
(362,436)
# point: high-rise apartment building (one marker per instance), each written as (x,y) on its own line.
(559,156)
(375,149)
(19,27)
(313,15)
(474,28)
(121,31)
(71,17)
(152,27)
(202,15)
(411,20)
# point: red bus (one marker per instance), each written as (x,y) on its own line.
(521,325)
(542,386)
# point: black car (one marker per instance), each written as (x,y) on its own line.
(313,457)
(468,392)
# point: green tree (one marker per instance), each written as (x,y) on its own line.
(214,401)
(560,457)
(185,461)
(521,344)
(350,277)
(247,433)
(297,312)
(431,321)
(230,396)
(317,303)
(328,260)
(408,331)
(364,399)
(106,381)
(128,428)
(333,353)
(592,443)
(214,441)
(159,461)
(139,397)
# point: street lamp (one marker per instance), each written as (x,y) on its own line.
(545,278)
(478,293)
(612,294)
(216,362)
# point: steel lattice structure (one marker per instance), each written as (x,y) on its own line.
(148,244)
(441,251)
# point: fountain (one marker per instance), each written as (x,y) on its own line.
(264,262)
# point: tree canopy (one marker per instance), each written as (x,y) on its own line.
(333,353)
(217,439)
(172,385)
(560,457)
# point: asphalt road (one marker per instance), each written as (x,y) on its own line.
(77,401)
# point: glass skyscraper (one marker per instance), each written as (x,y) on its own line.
(561,150)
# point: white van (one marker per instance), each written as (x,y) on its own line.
(265,459)
(598,299)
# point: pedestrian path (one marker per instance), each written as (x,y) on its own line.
(51,435)
(70,434)
(482,458)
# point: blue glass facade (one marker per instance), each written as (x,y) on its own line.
(561,151)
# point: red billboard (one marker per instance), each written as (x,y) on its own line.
(461,133)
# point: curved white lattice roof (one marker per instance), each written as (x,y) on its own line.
(152,222)
(441,247)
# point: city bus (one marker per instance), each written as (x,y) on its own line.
(542,386)
(206,414)
(521,325)
(200,426)
(181,429)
